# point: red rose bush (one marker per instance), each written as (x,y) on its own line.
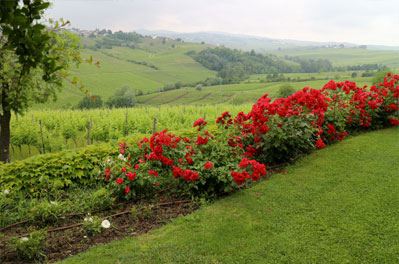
(273,132)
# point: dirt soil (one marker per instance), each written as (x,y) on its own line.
(65,243)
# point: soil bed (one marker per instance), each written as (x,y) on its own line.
(68,242)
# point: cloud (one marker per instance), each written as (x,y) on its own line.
(357,21)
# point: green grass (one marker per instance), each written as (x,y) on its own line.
(337,205)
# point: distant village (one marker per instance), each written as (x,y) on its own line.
(106,32)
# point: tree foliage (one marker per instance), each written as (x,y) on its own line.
(234,65)
(90,103)
(34,60)
(124,97)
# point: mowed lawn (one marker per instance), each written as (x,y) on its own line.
(337,205)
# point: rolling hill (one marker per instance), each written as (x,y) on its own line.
(125,66)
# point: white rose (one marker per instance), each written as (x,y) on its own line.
(105,224)
(88,219)
(121,157)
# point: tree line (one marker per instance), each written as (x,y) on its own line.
(234,65)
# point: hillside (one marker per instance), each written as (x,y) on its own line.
(148,64)
(247,92)
(125,66)
(345,56)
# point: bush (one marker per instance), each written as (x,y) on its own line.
(125,97)
(68,167)
(90,103)
(92,225)
(44,213)
(30,248)
(285,90)
(101,199)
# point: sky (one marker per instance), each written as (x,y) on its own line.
(370,22)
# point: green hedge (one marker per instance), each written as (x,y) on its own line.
(67,167)
(79,166)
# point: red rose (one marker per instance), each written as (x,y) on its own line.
(153,173)
(127,190)
(131,175)
(208,165)
(394,122)
(320,144)
(119,180)
(107,172)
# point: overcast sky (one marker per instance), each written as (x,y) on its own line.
(357,21)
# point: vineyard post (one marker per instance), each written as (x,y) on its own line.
(41,136)
(154,125)
(126,122)
(88,130)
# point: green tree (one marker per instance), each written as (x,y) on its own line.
(90,102)
(285,90)
(34,59)
(125,97)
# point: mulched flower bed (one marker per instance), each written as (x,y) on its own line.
(72,239)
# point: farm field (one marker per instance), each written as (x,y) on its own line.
(116,71)
(108,125)
(346,56)
(340,208)
(233,93)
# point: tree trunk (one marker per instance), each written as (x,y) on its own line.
(5,128)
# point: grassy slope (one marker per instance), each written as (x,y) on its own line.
(338,205)
(116,71)
(351,56)
(231,93)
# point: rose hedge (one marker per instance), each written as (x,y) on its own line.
(273,132)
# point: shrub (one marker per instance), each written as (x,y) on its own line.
(90,103)
(92,225)
(68,167)
(101,199)
(125,97)
(44,212)
(30,248)
(285,90)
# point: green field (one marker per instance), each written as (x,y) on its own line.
(346,56)
(116,71)
(234,93)
(337,205)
